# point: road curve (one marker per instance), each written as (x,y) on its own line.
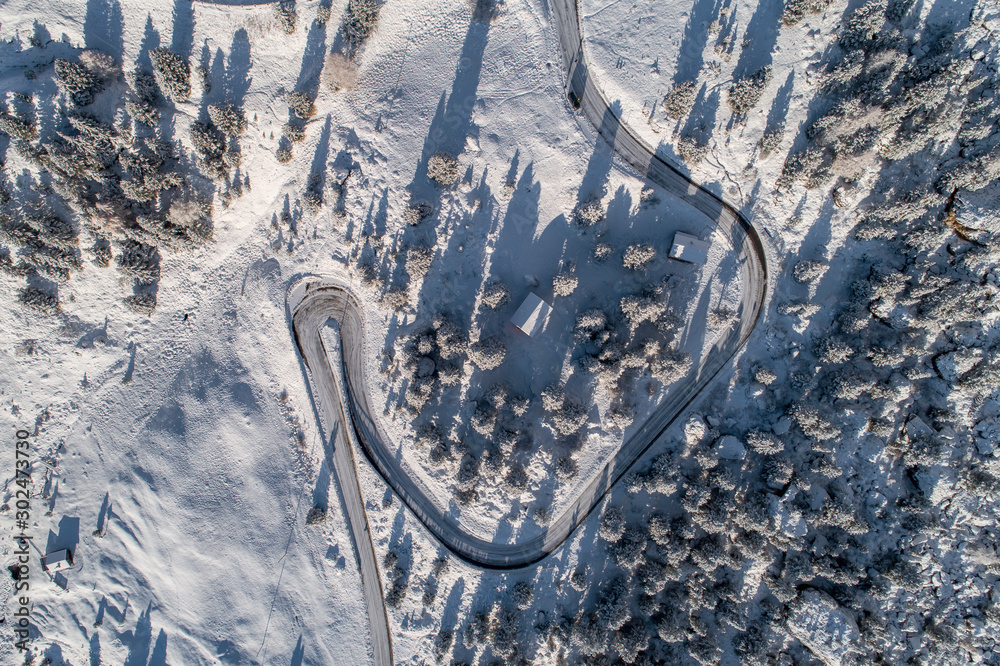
(333,356)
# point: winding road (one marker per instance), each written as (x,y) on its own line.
(336,370)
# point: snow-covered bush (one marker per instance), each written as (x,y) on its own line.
(293,132)
(522,594)
(286,16)
(210,145)
(589,212)
(139,261)
(638,255)
(691,149)
(76,80)
(564,284)
(323,14)
(805,272)
(746,92)
(417,213)
(38,300)
(639,308)
(17,128)
(283,154)
(418,261)
(612,524)
(301,104)
(764,443)
(101,65)
(771,140)
(863,25)
(143,112)
(172,74)
(602,252)
(360,20)
(496,295)
(796,10)
(678,102)
(553,397)
(143,85)
(227,118)
(142,303)
(442,168)
(488,354)
(340,72)
(570,418)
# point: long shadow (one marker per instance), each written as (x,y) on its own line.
(312,60)
(299,653)
(690,55)
(150,41)
(182,34)
(779,107)
(104,26)
(236,82)
(159,656)
(701,119)
(322,154)
(595,178)
(139,643)
(452,123)
(762,33)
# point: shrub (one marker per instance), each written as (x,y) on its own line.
(172,74)
(418,261)
(691,149)
(39,300)
(360,20)
(417,213)
(228,118)
(612,524)
(323,14)
(442,168)
(283,155)
(284,12)
(143,84)
(863,25)
(76,80)
(143,112)
(680,99)
(496,296)
(796,10)
(637,256)
(764,442)
(301,104)
(141,303)
(140,261)
(445,637)
(807,271)
(293,132)
(553,398)
(589,213)
(316,516)
(746,92)
(771,140)
(570,418)
(564,284)
(340,72)
(488,354)
(602,252)
(522,594)
(17,128)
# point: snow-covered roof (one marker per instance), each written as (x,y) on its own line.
(56,560)
(532,314)
(689,248)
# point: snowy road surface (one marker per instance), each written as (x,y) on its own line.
(333,357)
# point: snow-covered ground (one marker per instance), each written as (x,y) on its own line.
(178,454)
